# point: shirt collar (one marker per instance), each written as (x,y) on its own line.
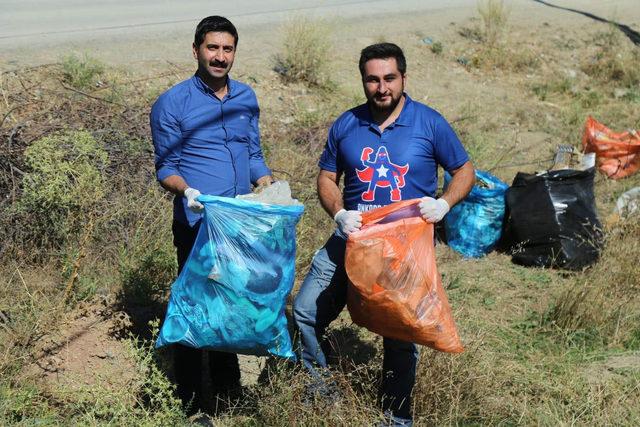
(404,118)
(202,86)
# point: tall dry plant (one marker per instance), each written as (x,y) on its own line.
(305,54)
(494,15)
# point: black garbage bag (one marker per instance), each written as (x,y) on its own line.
(552,219)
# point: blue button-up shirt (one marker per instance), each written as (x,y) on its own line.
(213,144)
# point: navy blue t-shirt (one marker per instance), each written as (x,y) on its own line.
(398,164)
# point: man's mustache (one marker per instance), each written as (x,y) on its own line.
(218,64)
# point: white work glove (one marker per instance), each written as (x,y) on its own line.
(348,221)
(192,194)
(433,210)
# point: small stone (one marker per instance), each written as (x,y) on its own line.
(620,92)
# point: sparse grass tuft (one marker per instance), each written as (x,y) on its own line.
(305,55)
(281,398)
(544,90)
(505,58)
(615,61)
(149,281)
(437,48)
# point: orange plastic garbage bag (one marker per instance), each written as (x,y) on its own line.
(617,154)
(395,289)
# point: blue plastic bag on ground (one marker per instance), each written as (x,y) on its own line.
(231,293)
(474,225)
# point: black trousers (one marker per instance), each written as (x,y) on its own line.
(224,370)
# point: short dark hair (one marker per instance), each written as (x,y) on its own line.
(218,24)
(383,51)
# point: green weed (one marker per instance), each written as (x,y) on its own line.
(437,48)
(149,280)
(81,72)
(544,90)
(64,183)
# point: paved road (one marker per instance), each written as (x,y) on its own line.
(24,22)
(39,31)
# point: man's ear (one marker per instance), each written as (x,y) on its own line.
(194,48)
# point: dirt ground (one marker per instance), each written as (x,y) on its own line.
(85,352)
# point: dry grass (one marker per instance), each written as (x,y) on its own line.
(491,49)
(305,55)
(614,61)
(495,17)
(606,298)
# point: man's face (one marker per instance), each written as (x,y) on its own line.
(215,54)
(383,83)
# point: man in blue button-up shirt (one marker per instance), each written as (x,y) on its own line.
(206,140)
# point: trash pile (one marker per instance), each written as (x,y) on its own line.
(231,293)
(628,203)
(549,218)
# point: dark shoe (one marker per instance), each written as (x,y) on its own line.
(323,392)
(394,421)
(201,419)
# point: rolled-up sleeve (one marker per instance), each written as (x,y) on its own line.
(167,139)
(257,166)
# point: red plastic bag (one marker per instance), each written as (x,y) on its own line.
(395,289)
(617,154)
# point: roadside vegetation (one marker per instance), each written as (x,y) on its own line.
(85,240)
(306,51)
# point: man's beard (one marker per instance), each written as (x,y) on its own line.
(384,108)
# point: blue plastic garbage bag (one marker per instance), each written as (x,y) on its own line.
(474,225)
(231,293)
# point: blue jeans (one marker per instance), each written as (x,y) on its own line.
(321,298)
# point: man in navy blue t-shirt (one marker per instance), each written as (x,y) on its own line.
(206,140)
(387,150)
